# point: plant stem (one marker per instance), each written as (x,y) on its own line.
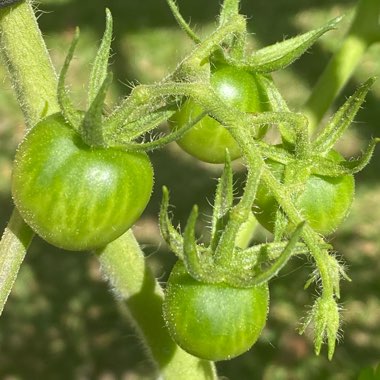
(34,80)
(14,243)
(25,55)
(123,264)
(363,32)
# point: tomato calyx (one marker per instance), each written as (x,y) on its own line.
(222,260)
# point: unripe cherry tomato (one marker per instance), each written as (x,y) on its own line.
(207,140)
(213,321)
(325,201)
(74,196)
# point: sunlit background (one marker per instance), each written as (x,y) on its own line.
(61,321)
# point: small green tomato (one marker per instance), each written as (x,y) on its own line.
(324,203)
(74,196)
(213,321)
(207,140)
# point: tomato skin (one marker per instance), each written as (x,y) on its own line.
(207,140)
(325,202)
(213,321)
(74,196)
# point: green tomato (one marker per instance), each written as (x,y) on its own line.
(207,140)
(74,196)
(324,203)
(213,321)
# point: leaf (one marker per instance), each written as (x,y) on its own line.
(100,67)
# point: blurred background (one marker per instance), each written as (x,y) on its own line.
(61,321)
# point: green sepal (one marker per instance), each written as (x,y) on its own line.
(223,202)
(100,67)
(152,121)
(198,264)
(282,54)
(182,23)
(171,236)
(330,168)
(91,128)
(133,129)
(342,119)
(71,115)
(273,270)
(326,321)
(275,153)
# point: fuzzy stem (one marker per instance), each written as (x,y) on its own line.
(32,75)
(14,243)
(363,32)
(123,264)
(25,55)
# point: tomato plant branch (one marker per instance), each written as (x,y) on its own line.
(32,75)
(124,265)
(25,55)
(237,123)
(364,31)
(14,243)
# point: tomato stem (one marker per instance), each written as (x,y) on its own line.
(123,263)
(28,62)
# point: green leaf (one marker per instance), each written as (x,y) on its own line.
(100,66)
(342,119)
(282,54)
(223,203)
(71,115)
(171,236)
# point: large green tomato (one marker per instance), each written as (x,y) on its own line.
(324,203)
(213,321)
(207,140)
(74,196)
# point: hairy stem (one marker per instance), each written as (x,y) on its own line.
(14,243)
(123,264)
(24,53)
(363,32)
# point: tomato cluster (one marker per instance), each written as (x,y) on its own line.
(74,196)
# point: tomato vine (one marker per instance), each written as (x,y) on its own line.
(192,96)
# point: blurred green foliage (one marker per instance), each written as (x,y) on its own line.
(61,321)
